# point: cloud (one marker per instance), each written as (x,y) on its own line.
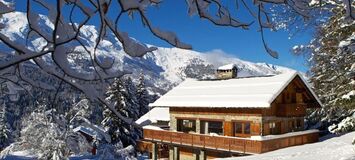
(219,57)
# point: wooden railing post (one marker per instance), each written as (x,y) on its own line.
(244,146)
(204,142)
(192,141)
(229,145)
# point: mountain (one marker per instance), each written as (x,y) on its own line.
(163,68)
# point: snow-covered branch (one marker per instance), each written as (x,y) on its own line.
(58,31)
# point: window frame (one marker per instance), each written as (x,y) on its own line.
(243,124)
(181,128)
(274,127)
(203,121)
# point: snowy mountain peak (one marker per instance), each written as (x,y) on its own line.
(163,68)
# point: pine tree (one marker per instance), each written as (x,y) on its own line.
(142,96)
(331,60)
(133,109)
(332,69)
(4,129)
(122,134)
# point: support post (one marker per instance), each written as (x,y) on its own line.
(176,153)
(202,155)
(196,154)
(198,126)
(173,123)
(171,153)
(155,151)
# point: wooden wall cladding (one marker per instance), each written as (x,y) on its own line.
(228,128)
(255,129)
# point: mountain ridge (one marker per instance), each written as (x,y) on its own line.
(163,68)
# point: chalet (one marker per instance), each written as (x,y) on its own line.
(227,71)
(88,133)
(233,116)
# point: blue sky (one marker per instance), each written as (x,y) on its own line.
(206,37)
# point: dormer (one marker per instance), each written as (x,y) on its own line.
(227,71)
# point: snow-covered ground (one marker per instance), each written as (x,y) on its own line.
(329,148)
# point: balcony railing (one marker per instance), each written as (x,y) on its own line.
(224,143)
(204,141)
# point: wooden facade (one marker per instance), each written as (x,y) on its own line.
(285,114)
(231,130)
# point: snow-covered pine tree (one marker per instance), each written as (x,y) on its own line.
(331,62)
(122,134)
(133,109)
(332,69)
(4,129)
(142,96)
(46,138)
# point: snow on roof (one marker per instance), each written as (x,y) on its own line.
(88,131)
(250,92)
(227,67)
(154,115)
(152,127)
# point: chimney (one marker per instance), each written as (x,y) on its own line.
(227,71)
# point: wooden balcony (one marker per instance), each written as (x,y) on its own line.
(230,144)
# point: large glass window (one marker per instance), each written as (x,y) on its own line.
(184,125)
(241,128)
(212,127)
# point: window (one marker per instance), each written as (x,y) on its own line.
(291,125)
(293,97)
(246,128)
(241,128)
(298,124)
(184,125)
(274,127)
(299,98)
(212,127)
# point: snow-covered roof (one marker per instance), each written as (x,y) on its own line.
(85,130)
(252,92)
(227,67)
(154,115)
(152,127)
